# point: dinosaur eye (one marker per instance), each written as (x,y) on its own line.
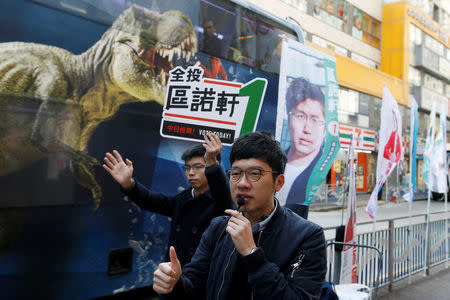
(146,23)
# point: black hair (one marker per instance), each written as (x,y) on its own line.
(197,151)
(209,20)
(259,145)
(301,89)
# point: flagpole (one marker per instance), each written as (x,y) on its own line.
(412,162)
(386,190)
(428,157)
(428,224)
(346,183)
(409,237)
(426,228)
(410,210)
(446,230)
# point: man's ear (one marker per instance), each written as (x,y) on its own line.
(279,182)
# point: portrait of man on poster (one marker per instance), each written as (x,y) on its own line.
(307,131)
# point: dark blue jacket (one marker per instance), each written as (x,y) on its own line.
(290,263)
(190,215)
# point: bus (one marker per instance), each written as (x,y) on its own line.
(79,78)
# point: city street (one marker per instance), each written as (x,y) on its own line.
(421,287)
(385,211)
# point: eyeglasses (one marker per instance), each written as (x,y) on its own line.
(302,117)
(252,174)
(195,168)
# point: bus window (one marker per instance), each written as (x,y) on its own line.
(269,38)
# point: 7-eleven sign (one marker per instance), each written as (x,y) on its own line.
(363,139)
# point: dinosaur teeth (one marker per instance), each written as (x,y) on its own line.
(163,77)
(171,54)
(188,57)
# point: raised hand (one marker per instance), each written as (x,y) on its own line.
(213,146)
(167,274)
(240,230)
(121,171)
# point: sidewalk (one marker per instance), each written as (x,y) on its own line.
(434,286)
(361,201)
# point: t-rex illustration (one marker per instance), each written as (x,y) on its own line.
(52,100)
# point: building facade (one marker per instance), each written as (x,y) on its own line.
(403,44)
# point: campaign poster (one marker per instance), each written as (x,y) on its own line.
(307,120)
(196,105)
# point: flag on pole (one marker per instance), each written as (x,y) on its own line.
(439,165)
(349,266)
(428,152)
(414,125)
(389,148)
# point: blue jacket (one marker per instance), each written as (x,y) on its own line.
(190,215)
(290,263)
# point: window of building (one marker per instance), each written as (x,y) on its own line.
(415,38)
(436,13)
(332,12)
(415,34)
(445,19)
(363,60)
(299,4)
(366,28)
(357,24)
(415,76)
(328,45)
(342,13)
(433,83)
(364,104)
(348,101)
(434,45)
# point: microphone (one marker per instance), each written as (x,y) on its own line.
(240,202)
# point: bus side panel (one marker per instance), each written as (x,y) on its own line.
(54,241)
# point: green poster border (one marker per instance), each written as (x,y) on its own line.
(332,144)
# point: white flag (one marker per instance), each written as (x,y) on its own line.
(428,152)
(439,163)
(389,148)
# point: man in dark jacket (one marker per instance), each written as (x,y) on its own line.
(262,251)
(211,44)
(191,210)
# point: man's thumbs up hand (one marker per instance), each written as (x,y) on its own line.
(167,274)
(174,262)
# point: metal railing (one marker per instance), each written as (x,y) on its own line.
(365,249)
(403,250)
(329,194)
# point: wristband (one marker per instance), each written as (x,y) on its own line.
(253,250)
